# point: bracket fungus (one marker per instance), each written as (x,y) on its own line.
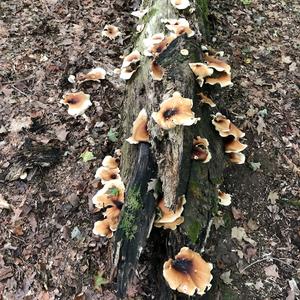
(129,65)
(175,111)
(170,219)
(200,150)
(157,44)
(140,13)
(223,79)
(234,146)
(217,64)
(77,103)
(139,129)
(111,32)
(207,100)
(237,158)
(110,162)
(224,199)
(180,4)
(106,174)
(156,71)
(95,74)
(179,27)
(188,273)
(201,71)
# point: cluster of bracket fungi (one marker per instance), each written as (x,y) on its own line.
(188,273)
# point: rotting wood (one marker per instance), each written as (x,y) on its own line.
(171,149)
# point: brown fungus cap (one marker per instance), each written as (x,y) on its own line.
(173,225)
(234,146)
(180,4)
(156,71)
(200,150)
(223,79)
(237,158)
(95,74)
(110,162)
(224,199)
(77,103)
(175,111)
(221,123)
(201,71)
(217,64)
(189,273)
(157,44)
(139,129)
(179,27)
(205,99)
(111,32)
(107,174)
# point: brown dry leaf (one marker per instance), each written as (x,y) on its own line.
(43,295)
(252,225)
(260,125)
(237,213)
(272,271)
(61,132)
(249,252)
(273,196)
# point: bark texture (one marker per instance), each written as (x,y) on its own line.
(168,157)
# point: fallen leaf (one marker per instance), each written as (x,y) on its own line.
(4,203)
(19,123)
(239,234)
(273,196)
(255,165)
(99,280)
(87,156)
(272,271)
(237,213)
(252,225)
(260,125)
(61,132)
(218,221)
(294,290)
(226,277)
(112,135)
(259,285)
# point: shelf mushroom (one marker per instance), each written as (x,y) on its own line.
(201,71)
(111,32)
(179,27)
(139,129)
(106,174)
(180,4)
(237,158)
(129,65)
(110,162)
(188,273)
(224,199)
(95,74)
(200,150)
(77,103)
(174,111)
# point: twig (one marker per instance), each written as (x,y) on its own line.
(20,91)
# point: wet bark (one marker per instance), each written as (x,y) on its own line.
(168,157)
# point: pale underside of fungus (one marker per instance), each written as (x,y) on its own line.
(95,74)
(77,103)
(157,44)
(111,32)
(237,158)
(217,64)
(180,4)
(140,13)
(188,273)
(224,199)
(139,129)
(168,218)
(110,162)
(175,111)
(129,65)
(179,27)
(201,71)
(106,174)
(207,100)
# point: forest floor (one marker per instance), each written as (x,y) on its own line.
(47,250)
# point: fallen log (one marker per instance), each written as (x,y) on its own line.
(168,157)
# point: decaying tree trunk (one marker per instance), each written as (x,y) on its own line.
(168,157)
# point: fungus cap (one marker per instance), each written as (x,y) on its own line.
(223,80)
(140,13)
(200,150)
(77,103)
(102,228)
(201,71)
(221,123)
(173,225)
(237,158)
(156,71)
(111,32)
(139,129)
(110,162)
(158,45)
(126,73)
(167,214)
(175,111)
(131,58)
(180,4)
(207,100)
(189,273)
(179,27)
(234,146)
(107,174)
(95,74)
(217,64)
(224,199)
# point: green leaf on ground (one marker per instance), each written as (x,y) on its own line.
(255,165)
(87,156)
(112,135)
(99,280)
(246,2)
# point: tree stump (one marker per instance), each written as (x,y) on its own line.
(168,157)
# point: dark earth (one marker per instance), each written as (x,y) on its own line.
(47,249)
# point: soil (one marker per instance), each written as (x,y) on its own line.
(47,250)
